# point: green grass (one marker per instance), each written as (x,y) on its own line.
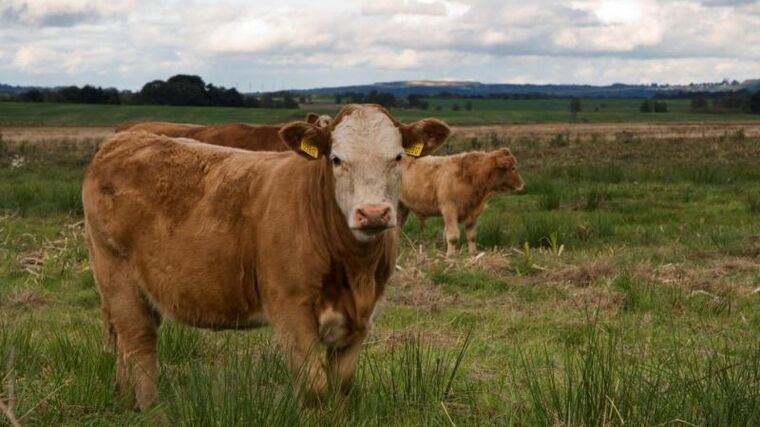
(621,288)
(485,111)
(55,114)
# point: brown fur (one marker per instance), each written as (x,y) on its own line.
(220,238)
(459,189)
(236,135)
(160,128)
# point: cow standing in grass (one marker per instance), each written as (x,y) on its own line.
(457,187)
(220,238)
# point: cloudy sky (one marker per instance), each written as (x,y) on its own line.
(268,45)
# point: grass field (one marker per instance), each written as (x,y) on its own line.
(483,112)
(622,287)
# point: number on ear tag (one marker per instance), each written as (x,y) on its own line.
(415,150)
(309,148)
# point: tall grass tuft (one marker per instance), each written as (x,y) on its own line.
(603,381)
(407,384)
(249,385)
(541,229)
(30,191)
(549,201)
(493,230)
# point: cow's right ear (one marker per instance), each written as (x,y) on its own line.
(307,140)
(312,118)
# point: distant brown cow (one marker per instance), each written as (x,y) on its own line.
(222,238)
(457,187)
(237,135)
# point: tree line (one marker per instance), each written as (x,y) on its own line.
(729,102)
(178,90)
(386,99)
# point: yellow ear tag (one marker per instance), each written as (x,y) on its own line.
(415,150)
(309,148)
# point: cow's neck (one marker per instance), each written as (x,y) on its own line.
(359,260)
(481,186)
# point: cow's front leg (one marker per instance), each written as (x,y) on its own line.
(342,363)
(297,332)
(471,229)
(451,229)
(341,366)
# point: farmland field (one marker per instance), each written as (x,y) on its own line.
(622,287)
(484,111)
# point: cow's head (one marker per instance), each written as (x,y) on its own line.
(503,171)
(364,147)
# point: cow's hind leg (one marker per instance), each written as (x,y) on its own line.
(110,333)
(451,230)
(136,325)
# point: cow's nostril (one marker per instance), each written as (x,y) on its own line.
(361,217)
(373,216)
(386,216)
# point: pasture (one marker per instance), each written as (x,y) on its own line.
(622,287)
(484,112)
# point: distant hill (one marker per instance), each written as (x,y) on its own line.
(472,88)
(469,88)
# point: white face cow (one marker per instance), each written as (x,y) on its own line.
(365,147)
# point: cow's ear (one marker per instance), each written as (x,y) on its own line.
(504,158)
(424,136)
(312,118)
(306,139)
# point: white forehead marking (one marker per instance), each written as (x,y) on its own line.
(368,131)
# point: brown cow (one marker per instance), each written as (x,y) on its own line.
(222,238)
(457,187)
(237,135)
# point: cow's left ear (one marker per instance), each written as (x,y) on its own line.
(504,158)
(306,139)
(424,136)
(312,118)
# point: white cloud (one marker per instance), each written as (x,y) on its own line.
(63,13)
(261,34)
(297,43)
(403,7)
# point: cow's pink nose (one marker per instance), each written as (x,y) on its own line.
(373,216)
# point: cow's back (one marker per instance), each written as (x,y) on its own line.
(161,128)
(425,184)
(238,135)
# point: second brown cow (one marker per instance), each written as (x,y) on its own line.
(236,135)
(457,187)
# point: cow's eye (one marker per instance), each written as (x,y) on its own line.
(399,157)
(336,161)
